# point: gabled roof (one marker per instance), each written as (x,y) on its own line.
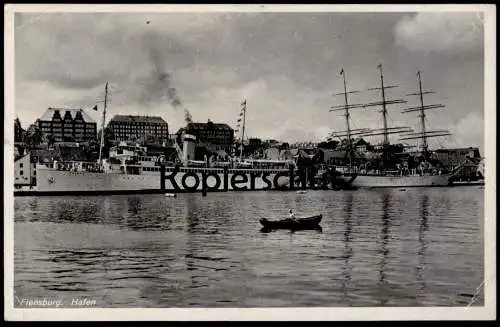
(140,119)
(62,111)
(22,156)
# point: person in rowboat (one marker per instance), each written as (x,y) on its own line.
(291,214)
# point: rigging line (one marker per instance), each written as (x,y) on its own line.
(353,124)
(392,120)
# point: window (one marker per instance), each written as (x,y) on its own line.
(21,172)
(21,165)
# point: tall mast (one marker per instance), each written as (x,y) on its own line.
(386,130)
(384,108)
(422,113)
(346,107)
(349,132)
(349,142)
(244,110)
(423,134)
(103,123)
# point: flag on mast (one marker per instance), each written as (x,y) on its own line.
(342,71)
(244,103)
(379,65)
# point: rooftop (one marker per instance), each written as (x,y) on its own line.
(62,111)
(456,149)
(204,125)
(141,119)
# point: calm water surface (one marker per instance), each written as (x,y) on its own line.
(387,247)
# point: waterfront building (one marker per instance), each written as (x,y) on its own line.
(24,171)
(128,127)
(466,160)
(453,157)
(72,125)
(303,145)
(220,135)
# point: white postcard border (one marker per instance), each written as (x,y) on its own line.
(487,312)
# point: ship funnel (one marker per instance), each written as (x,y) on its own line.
(189,146)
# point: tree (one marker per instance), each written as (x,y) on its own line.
(91,150)
(284,146)
(51,140)
(18,131)
(34,136)
(254,146)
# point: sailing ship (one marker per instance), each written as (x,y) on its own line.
(392,168)
(130,169)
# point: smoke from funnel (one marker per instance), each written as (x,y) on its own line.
(157,87)
(187,116)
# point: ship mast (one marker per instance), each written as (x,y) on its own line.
(103,123)
(346,110)
(423,134)
(384,108)
(422,113)
(384,102)
(243,112)
(385,131)
(349,132)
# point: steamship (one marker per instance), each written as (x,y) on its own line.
(130,169)
(390,170)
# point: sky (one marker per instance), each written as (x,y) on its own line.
(286,65)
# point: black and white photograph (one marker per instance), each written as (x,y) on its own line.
(250,162)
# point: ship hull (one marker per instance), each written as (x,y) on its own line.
(375,181)
(60,182)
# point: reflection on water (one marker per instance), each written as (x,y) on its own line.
(422,247)
(384,250)
(347,268)
(423,228)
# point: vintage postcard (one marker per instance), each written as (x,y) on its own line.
(250,162)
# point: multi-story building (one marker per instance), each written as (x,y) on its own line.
(72,125)
(221,136)
(451,158)
(126,127)
(466,162)
(303,145)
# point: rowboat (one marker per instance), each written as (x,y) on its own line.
(298,223)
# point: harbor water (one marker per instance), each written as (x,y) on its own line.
(380,247)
